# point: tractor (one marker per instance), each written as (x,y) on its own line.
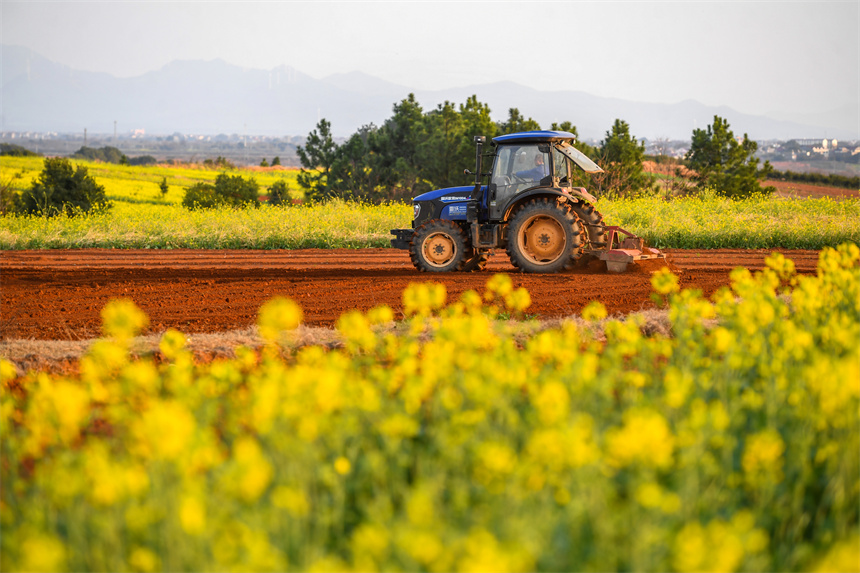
(528,206)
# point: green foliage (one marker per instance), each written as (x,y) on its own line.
(201,196)
(163,187)
(14,150)
(276,161)
(516,123)
(62,189)
(236,191)
(142,160)
(107,154)
(8,197)
(412,152)
(724,164)
(620,154)
(230,191)
(264,163)
(219,163)
(317,156)
(441,161)
(279,193)
(817,179)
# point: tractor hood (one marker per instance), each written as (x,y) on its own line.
(449,194)
(579,158)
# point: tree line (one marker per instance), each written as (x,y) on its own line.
(411,152)
(415,151)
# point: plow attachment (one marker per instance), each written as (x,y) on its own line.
(623,248)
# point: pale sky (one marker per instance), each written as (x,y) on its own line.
(756,57)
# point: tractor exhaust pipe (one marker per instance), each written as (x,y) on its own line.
(479,147)
(472,206)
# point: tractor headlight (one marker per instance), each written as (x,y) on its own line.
(416,208)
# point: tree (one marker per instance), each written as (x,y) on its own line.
(440,161)
(395,149)
(279,192)
(163,187)
(516,123)
(476,120)
(276,161)
(8,197)
(264,163)
(621,155)
(726,165)
(317,157)
(62,188)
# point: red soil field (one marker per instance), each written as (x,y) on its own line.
(58,294)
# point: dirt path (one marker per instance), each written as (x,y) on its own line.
(58,295)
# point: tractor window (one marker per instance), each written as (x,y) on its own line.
(517,168)
(530,165)
(559,168)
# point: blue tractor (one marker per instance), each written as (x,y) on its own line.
(528,206)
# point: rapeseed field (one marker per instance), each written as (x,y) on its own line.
(731,445)
(144,218)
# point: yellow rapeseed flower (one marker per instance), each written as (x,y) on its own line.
(122,319)
(342,466)
(762,458)
(645,439)
(277,316)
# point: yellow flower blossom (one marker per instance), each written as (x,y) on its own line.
(762,458)
(645,439)
(342,466)
(122,319)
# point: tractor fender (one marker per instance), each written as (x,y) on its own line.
(573,195)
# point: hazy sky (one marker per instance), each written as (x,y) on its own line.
(755,57)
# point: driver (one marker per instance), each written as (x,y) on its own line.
(536,173)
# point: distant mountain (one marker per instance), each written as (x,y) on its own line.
(211,97)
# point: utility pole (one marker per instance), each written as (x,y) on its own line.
(85,137)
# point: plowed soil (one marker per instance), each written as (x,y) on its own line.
(58,295)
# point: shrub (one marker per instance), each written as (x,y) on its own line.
(236,191)
(8,197)
(228,190)
(201,196)
(62,188)
(279,193)
(107,154)
(16,150)
(142,160)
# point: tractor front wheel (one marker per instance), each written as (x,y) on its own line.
(545,237)
(438,246)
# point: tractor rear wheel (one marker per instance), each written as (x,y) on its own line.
(595,228)
(438,246)
(545,237)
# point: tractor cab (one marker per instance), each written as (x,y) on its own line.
(521,164)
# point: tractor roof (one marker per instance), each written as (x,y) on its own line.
(543,135)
